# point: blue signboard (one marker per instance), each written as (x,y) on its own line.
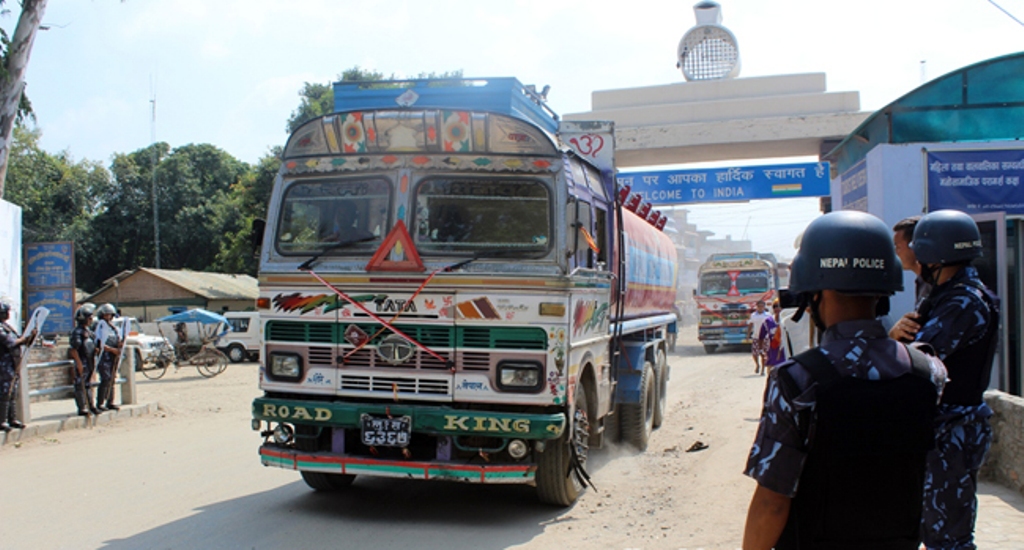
(976,181)
(665,187)
(61,304)
(854,187)
(49,265)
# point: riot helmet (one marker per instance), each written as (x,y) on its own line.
(946,237)
(850,252)
(106,309)
(5,310)
(85,311)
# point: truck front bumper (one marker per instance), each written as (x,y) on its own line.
(330,463)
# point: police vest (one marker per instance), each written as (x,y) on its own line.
(970,366)
(862,483)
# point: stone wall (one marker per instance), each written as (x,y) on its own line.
(1005,462)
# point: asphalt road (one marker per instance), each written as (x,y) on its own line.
(189,477)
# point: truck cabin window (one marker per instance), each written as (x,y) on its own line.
(481,214)
(319,213)
(746,282)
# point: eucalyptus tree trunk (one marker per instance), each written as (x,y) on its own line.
(13,82)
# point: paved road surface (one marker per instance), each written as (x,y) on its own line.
(188,477)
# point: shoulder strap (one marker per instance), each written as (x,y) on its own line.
(818,366)
(919,363)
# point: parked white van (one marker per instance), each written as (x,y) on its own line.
(243,342)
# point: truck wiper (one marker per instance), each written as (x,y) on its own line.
(485,254)
(308,264)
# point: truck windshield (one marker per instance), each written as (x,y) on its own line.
(318,213)
(746,282)
(471,216)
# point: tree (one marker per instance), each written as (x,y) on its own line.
(318,99)
(15,53)
(249,197)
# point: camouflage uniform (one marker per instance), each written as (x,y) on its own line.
(861,349)
(959,319)
(9,354)
(83,341)
(106,366)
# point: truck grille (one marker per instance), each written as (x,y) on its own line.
(394,384)
(440,336)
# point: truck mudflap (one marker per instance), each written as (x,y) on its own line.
(331,463)
(442,421)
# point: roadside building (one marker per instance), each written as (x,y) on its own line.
(147,293)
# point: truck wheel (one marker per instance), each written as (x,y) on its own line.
(638,418)
(661,383)
(236,353)
(710,348)
(319,481)
(557,481)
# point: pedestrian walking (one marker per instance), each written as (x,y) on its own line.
(109,345)
(83,352)
(839,455)
(902,235)
(776,351)
(10,360)
(758,341)
(960,320)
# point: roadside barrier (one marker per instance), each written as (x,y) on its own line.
(125,380)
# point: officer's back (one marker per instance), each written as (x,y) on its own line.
(840,452)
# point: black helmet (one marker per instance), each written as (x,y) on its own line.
(847,251)
(5,309)
(946,237)
(85,311)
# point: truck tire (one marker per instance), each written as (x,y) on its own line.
(557,481)
(638,418)
(236,353)
(327,483)
(661,384)
(710,348)
(319,481)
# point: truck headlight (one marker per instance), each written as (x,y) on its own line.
(520,376)
(285,366)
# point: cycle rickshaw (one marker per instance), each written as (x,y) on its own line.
(187,351)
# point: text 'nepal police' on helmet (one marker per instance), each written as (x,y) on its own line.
(946,237)
(850,252)
(85,311)
(106,309)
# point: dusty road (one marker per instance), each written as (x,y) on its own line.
(189,477)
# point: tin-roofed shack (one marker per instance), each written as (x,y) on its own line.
(147,293)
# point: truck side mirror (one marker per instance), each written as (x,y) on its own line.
(256,235)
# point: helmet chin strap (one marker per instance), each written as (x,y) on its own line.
(815,303)
(930,274)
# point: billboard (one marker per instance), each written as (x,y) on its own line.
(50,283)
(976,182)
(667,187)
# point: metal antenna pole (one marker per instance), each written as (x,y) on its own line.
(156,159)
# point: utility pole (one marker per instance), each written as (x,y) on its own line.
(156,160)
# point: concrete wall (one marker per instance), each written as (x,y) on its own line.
(1005,462)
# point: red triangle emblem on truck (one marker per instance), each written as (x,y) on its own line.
(396,253)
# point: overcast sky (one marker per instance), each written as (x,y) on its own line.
(228,72)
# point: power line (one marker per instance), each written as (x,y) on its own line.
(1008,14)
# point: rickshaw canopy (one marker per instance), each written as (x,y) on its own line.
(195,316)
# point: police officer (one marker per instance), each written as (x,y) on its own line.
(83,353)
(109,345)
(960,320)
(839,456)
(10,357)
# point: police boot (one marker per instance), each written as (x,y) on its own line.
(4,426)
(12,416)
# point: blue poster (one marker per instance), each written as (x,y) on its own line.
(976,181)
(853,187)
(666,187)
(61,304)
(49,265)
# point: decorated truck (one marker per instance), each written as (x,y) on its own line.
(452,288)
(728,289)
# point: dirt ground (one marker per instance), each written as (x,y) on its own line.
(666,498)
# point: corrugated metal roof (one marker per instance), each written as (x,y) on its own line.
(212,286)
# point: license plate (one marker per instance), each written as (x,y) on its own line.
(379,431)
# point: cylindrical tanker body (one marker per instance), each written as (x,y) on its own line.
(650,265)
